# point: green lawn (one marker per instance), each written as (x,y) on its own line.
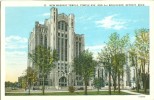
(67,93)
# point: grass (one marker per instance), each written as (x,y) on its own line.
(66,93)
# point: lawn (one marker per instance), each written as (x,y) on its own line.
(67,93)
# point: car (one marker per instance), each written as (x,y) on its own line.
(80,88)
(14,88)
(36,88)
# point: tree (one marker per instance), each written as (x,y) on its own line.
(31,77)
(105,58)
(134,62)
(43,59)
(142,46)
(84,65)
(98,83)
(113,57)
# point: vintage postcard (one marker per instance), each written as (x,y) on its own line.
(77,50)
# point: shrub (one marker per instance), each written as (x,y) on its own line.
(71,89)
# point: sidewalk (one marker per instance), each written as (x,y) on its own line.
(50,91)
(130,92)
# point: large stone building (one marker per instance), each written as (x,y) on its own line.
(58,32)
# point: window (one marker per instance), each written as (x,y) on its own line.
(62,27)
(54,17)
(63,81)
(58,25)
(41,39)
(65,27)
(79,47)
(58,49)
(58,34)
(65,49)
(45,41)
(62,41)
(76,48)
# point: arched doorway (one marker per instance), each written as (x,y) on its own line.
(63,81)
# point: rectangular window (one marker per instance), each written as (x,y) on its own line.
(65,27)
(54,17)
(58,49)
(58,34)
(76,48)
(62,40)
(65,49)
(58,25)
(62,27)
(79,47)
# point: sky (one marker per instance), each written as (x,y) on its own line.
(96,23)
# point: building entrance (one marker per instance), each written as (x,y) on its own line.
(63,81)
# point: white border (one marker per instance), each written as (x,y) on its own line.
(48,3)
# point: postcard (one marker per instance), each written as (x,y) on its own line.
(77,50)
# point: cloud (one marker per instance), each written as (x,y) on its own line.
(15,56)
(111,22)
(16,42)
(95,49)
(46,14)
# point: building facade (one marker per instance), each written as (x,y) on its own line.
(58,33)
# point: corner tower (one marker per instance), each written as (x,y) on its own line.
(53,28)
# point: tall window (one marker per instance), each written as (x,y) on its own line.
(58,25)
(62,40)
(54,17)
(76,48)
(65,49)
(79,47)
(72,23)
(58,48)
(65,26)
(45,41)
(62,27)
(41,39)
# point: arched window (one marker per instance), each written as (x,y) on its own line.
(63,81)
(62,25)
